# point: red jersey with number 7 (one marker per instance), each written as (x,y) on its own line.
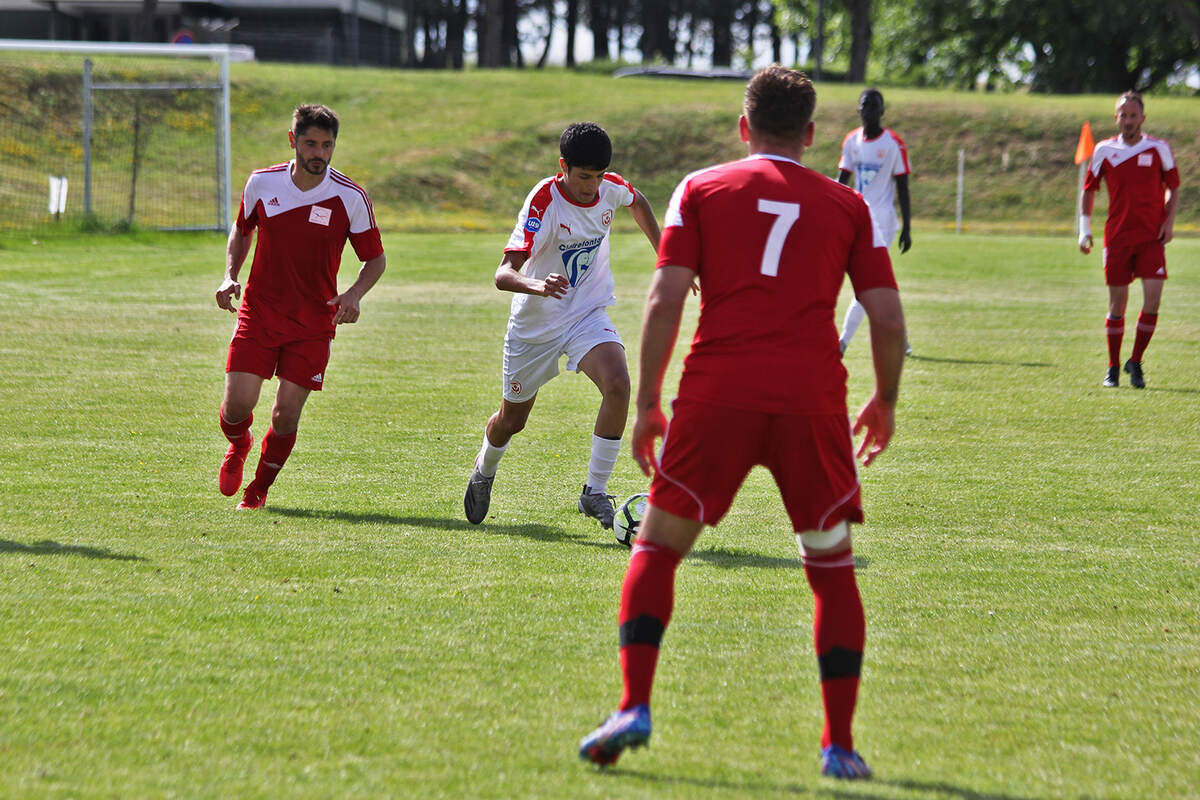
(771,242)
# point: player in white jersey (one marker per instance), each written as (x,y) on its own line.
(876,158)
(556,264)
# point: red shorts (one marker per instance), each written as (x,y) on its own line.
(302,362)
(1145,260)
(708,450)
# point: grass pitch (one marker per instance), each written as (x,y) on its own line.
(1029,568)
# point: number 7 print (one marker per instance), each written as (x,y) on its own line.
(786,215)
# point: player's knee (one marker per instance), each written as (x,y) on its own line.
(833,540)
(234,412)
(285,420)
(617,388)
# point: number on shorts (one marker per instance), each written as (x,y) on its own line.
(786,215)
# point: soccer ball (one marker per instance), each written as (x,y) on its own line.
(629,518)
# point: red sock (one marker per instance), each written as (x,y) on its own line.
(839,630)
(1145,329)
(236,432)
(647,598)
(1114,327)
(275,451)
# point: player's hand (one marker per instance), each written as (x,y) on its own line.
(1166,233)
(229,290)
(1085,243)
(555,285)
(878,419)
(347,308)
(905,240)
(695,286)
(647,429)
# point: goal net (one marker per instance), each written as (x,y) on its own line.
(108,137)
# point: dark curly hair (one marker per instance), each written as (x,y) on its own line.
(585,144)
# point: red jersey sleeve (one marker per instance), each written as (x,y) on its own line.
(366,244)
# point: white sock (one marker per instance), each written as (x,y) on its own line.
(600,466)
(489,457)
(854,317)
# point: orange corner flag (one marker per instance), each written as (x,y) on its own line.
(1083,151)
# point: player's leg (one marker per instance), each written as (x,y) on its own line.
(689,489)
(647,599)
(812,461)
(527,366)
(1152,289)
(605,365)
(501,427)
(301,371)
(1118,274)
(278,441)
(248,364)
(594,348)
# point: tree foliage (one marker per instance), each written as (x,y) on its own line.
(1050,45)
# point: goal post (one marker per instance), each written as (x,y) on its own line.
(115,134)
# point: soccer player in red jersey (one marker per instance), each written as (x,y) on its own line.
(1143,194)
(304,212)
(771,242)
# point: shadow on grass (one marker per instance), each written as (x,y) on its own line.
(729,559)
(933,360)
(543,533)
(824,788)
(49,548)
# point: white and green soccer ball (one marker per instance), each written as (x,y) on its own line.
(628,518)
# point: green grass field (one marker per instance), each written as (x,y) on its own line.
(1029,566)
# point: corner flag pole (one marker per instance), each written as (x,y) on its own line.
(1083,157)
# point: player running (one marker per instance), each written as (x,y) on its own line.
(1143,194)
(304,211)
(771,242)
(877,160)
(557,265)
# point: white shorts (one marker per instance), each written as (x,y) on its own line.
(528,366)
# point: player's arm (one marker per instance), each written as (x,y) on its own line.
(1087,201)
(236,250)
(905,212)
(643,215)
(348,301)
(844,176)
(660,328)
(1171,203)
(509,277)
(878,416)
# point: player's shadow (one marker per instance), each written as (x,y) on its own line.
(752,787)
(529,530)
(51,548)
(978,362)
(731,559)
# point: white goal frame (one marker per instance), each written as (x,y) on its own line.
(223,54)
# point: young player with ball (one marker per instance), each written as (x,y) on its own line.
(556,264)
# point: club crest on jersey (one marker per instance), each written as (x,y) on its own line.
(606,217)
(577,260)
(320,215)
(1145,160)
